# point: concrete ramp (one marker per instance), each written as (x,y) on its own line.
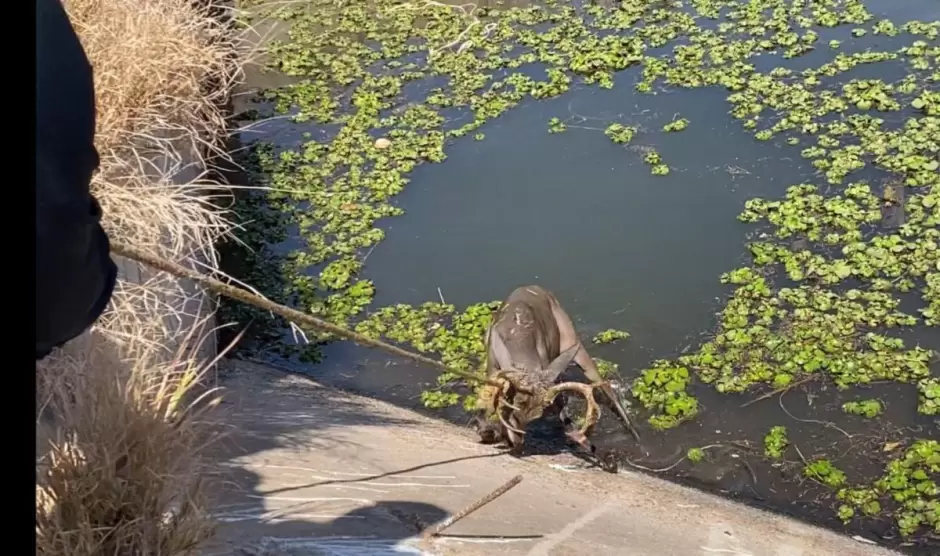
(315,471)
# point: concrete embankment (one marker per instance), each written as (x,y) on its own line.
(313,470)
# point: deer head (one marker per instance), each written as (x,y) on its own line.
(524,395)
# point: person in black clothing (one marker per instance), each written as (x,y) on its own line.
(75,275)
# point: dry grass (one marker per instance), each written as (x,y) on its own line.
(151,60)
(118,440)
(117,466)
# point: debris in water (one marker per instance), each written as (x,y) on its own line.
(859,538)
(892,206)
(801,244)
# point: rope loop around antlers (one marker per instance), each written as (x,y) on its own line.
(503,403)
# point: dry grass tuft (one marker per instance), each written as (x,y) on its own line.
(116,468)
(118,436)
(162,70)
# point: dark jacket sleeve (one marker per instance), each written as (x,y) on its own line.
(74,272)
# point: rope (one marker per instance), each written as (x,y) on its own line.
(240,294)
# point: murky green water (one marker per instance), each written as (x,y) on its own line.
(621,248)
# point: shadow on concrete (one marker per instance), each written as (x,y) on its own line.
(379,475)
(275,495)
(324,539)
(378,529)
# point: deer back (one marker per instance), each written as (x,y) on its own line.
(524,334)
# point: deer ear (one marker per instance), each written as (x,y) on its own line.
(558,366)
(498,349)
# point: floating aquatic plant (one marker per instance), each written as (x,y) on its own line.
(908,485)
(662,388)
(929,396)
(610,335)
(825,472)
(863,408)
(607,369)
(620,133)
(775,442)
(676,125)
(556,126)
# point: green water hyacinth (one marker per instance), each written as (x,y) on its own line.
(775,442)
(864,408)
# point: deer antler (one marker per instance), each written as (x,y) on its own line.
(512,378)
(506,424)
(586,390)
(503,403)
(500,397)
(507,384)
(501,400)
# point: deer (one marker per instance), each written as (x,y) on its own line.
(530,341)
